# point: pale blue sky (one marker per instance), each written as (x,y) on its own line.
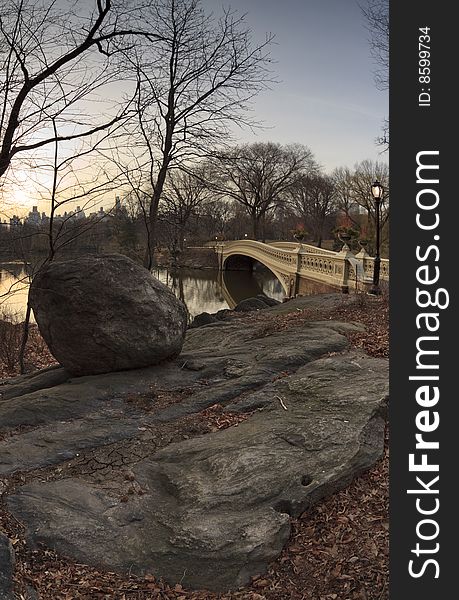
(326,98)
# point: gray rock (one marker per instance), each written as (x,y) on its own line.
(215,509)
(81,396)
(6,568)
(202,319)
(106,313)
(39,380)
(222,314)
(250,304)
(58,442)
(267,300)
(231,360)
(323,302)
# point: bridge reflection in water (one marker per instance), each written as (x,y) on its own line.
(208,290)
(236,286)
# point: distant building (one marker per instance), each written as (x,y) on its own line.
(15,221)
(72,215)
(99,214)
(77,214)
(34,217)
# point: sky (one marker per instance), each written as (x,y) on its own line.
(326,98)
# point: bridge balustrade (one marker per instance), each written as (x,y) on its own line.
(288,260)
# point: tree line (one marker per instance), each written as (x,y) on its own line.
(262,191)
(266,191)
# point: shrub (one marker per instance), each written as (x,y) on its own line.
(10,340)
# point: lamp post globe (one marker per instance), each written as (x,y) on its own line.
(377,192)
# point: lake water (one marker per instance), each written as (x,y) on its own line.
(201,290)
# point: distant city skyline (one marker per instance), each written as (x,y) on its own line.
(37,218)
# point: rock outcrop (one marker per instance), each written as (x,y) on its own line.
(250,304)
(106,313)
(6,568)
(259,302)
(213,510)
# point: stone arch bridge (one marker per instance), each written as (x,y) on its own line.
(300,266)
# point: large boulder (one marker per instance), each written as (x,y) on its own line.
(106,313)
(267,300)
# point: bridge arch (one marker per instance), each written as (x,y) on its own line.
(244,262)
(294,264)
(238,262)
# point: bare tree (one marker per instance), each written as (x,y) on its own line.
(193,84)
(376,13)
(354,198)
(313,199)
(343,181)
(216,217)
(259,175)
(366,172)
(184,195)
(71,182)
(55,58)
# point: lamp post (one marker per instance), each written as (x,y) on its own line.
(377,191)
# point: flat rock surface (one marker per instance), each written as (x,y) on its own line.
(213,510)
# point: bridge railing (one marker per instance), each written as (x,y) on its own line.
(329,268)
(340,269)
(304,247)
(368,267)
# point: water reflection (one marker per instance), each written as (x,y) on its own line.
(239,285)
(200,290)
(14,288)
(210,291)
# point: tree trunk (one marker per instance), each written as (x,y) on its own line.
(255,226)
(263,228)
(181,242)
(153,215)
(25,337)
(159,184)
